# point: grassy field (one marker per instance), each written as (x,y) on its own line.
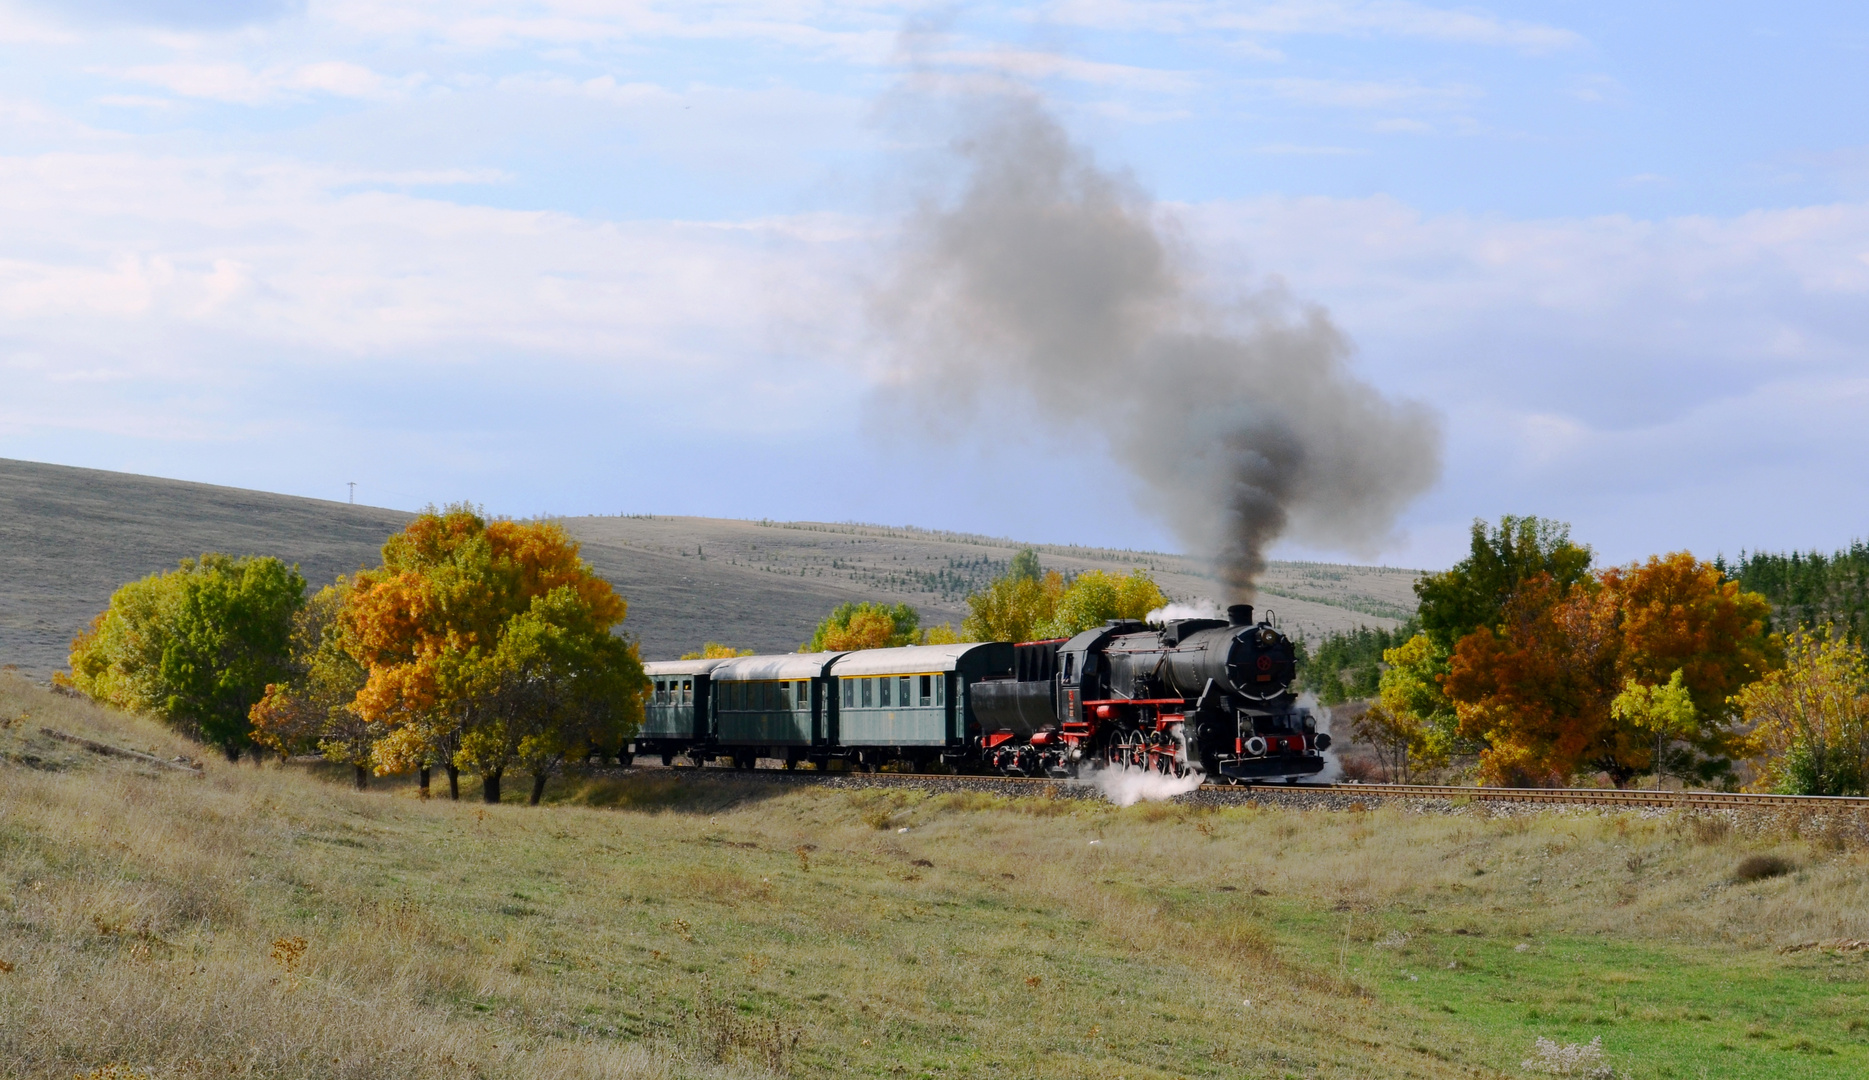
(266,921)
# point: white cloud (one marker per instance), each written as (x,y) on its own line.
(243,85)
(1396,18)
(1350,94)
(1029,64)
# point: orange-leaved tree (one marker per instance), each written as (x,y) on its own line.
(1681,614)
(1541,690)
(1535,690)
(428,626)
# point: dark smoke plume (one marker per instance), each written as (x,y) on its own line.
(1053,283)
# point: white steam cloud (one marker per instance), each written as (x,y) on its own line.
(1048,282)
(1193,609)
(1127,787)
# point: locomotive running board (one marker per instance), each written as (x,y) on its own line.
(1282,765)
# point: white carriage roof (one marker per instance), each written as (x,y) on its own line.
(782,666)
(653,668)
(908,659)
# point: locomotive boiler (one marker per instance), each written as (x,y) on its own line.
(1208,694)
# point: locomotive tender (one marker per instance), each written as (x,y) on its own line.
(1206,695)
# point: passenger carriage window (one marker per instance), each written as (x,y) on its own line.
(804,693)
(940,689)
(687,691)
(902,695)
(661,688)
(866,691)
(882,692)
(927,697)
(850,692)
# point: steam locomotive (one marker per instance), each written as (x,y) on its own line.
(1210,695)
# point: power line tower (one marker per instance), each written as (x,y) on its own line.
(353,492)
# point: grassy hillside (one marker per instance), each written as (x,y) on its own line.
(70,536)
(267,922)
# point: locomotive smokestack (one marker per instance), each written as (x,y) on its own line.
(1044,287)
(1240,614)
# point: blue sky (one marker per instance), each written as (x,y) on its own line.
(578,256)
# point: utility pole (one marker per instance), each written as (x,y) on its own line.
(353,493)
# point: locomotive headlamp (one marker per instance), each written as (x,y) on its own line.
(1267,637)
(1255,745)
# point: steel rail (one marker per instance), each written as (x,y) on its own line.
(1597,796)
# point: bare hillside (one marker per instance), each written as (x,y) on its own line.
(68,537)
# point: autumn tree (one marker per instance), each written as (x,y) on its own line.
(1680,614)
(1535,690)
(1810,719)
(1417,716)
(314,708)
(196,646)
(1013,608)
(714,650)
(1538,689)
(1094,597)
(1032,604)
(865,625)
(430,627)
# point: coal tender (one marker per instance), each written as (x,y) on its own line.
(1208,694)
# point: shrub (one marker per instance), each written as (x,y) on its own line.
(1760,867)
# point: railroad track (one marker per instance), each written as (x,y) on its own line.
(1725,800)
(1720,800)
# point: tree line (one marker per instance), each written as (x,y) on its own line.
(476,646)
(1541,668)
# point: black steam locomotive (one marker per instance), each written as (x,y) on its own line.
(1192,694)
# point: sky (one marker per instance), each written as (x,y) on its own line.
(584,256)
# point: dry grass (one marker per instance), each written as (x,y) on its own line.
(265,922)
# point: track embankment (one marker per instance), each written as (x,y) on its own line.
(1304,796)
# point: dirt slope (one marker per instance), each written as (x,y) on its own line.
(68,537)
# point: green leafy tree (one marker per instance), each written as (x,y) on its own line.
(1473,594)
(865,625)
(1025,566)
(313,710)
(556,685)
(1348,665)
(197,646)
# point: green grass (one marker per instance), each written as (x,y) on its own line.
(657,926)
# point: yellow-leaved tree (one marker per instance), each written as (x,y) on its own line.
(488,645)
(714,650)
(1811,719)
